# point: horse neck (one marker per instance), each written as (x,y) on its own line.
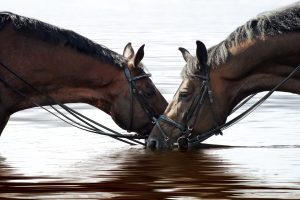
(256,66)
(60,71)
(81,82)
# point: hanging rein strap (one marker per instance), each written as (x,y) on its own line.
(88,127)
(71,122)
(192,113)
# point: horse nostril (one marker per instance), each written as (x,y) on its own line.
(152,144)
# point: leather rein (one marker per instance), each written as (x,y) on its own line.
(86,123)
(185,140)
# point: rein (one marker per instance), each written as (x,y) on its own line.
(184,141)
(88,124)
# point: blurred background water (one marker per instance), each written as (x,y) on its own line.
(43,158)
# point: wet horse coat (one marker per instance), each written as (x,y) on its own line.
(70,68)
(254,58)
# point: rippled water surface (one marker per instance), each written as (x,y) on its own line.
(43,158)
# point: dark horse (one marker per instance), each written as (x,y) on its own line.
(254,58)
(71,68)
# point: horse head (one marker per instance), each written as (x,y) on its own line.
(193,108)
(138,102)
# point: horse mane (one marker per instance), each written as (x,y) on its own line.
(267,24)
(54,35)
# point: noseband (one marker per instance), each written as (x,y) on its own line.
(192,113)
(134,91)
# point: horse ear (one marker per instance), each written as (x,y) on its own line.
(128,51)
(185,53)
(139,56)
(201,52)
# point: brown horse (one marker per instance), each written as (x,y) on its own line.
(71,68)
(254,58)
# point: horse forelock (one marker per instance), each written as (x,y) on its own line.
(191,68)
(267,24)
(54,35)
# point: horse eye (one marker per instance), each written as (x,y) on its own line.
(183,94)
(149,91)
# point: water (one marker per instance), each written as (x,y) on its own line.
(43,158)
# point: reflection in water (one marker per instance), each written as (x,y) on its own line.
(141,174)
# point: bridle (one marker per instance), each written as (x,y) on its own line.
(185,140)
(192,113)
(85,123)
(135,92)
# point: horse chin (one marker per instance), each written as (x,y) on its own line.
(124,124)
(118,120)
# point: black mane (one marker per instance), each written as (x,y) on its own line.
(54,35)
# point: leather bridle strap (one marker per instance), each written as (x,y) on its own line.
(163,118)
(191,117)
(195,107)
(193,111)
(205,91)
(134,91)
(218,128)
(201,137)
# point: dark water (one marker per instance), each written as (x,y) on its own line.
(43,158)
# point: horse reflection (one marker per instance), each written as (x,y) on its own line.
(139,175)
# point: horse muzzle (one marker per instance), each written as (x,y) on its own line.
(156,141)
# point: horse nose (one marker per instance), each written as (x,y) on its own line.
(152,144)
